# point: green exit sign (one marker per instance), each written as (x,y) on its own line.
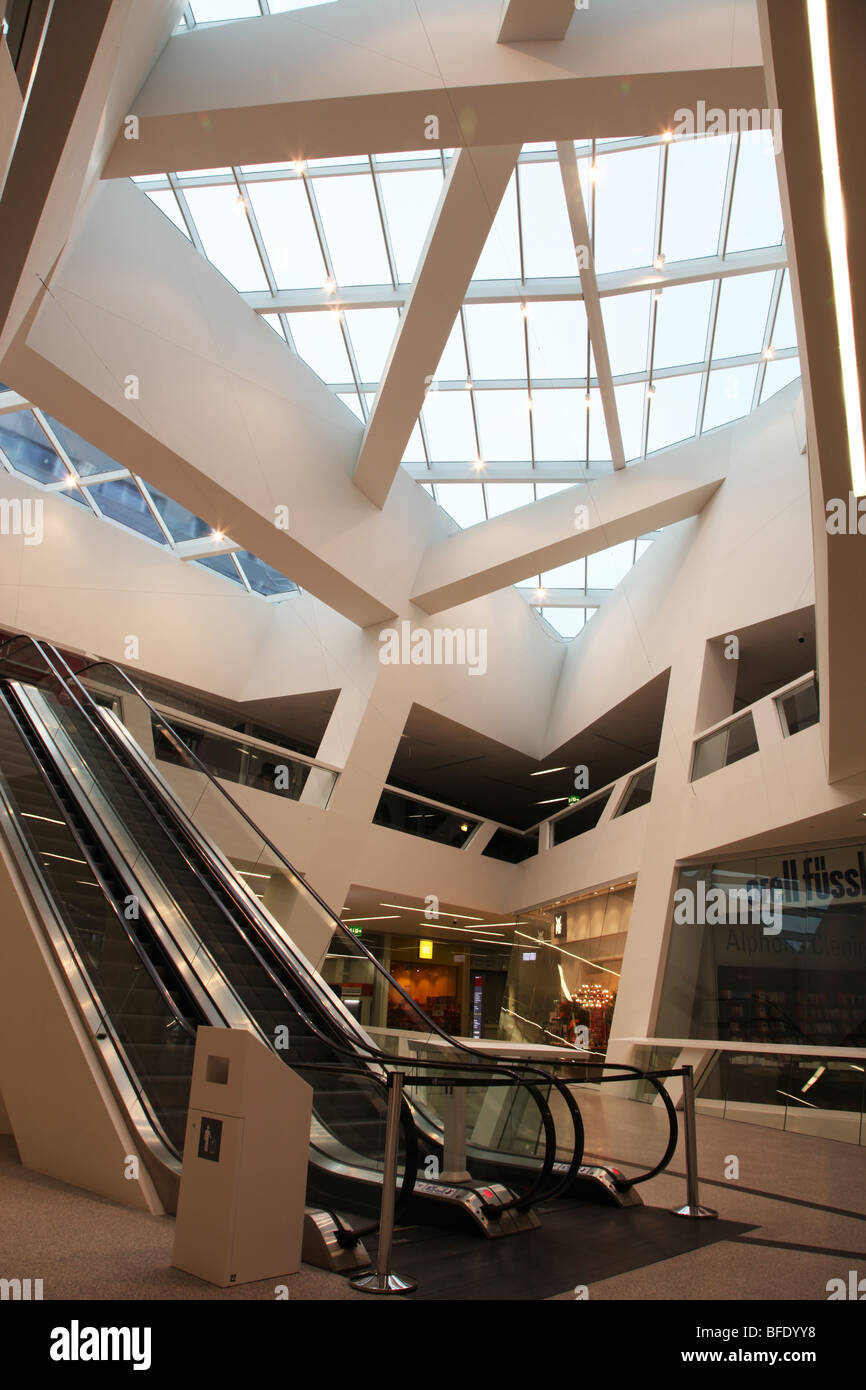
(573,798)
(356,931)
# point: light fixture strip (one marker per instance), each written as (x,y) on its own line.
(834,209)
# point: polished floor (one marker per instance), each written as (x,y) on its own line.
(793,1219)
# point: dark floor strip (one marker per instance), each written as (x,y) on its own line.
(746,1239)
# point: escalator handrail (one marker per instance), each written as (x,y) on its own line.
(252,920)
(99,1007)
(383,1059)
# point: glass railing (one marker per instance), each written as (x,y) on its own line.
(398,811)
(798,709)
(585,816)
(245,761)
(735,740)
(821,1096)
(510,846)
(638,791)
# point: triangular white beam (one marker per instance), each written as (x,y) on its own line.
(527,21)
(476,182)
(296,87)
(543,535)
(583,250)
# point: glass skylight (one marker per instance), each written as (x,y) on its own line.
(45,451)
(697,336)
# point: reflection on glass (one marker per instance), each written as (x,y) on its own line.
(727,745)
(418,818)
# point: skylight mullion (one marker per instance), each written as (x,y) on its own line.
(470,377)
(189,17)
(519,209)
(711,334)
(768,336)
(256,231)
(529,387)
(157,515)
(728,199)
(187,215)
(386,231)
(239,567)
(319,226)
(353,362)
(424,441)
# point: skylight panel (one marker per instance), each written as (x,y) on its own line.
(222,224)
(784,329)
(221,564)
(625,209)
(318,339)
(284,167)
(682,321)
(372,333)
(626,320)
(281,6)
(167,203)
(217,11)
(262,577)
(28,450)
(629,407)
(744,303)
(779,374)
(507,497)
(548,247)
(694,197)
(566,622)
(283,213)
(569,576)
(450,431)
(350,216)
(182,524)
(223,173)
(406,156)
(756,212)
(557,339)
(122,501)
(642,545)
(503,425)
(464,502)
(599,446)
(452,364)
(500,259)
(673,411)
(86,457)
(548,489)
(497,348)
(351,400)
(559,425)
(729,395)
(273,321)
(410,199)
(414,452)
(608,567)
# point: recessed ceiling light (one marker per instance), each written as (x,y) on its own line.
(769,352)
(659,261)
(299,166)
(667,136)
(329,285)
(217,535)
(479,463)
(541,593)
(545,771)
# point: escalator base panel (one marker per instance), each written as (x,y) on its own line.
(596,1184)
(321,1246)
(471,1201)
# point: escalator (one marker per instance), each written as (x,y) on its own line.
(197,949)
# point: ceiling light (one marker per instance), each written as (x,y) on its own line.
(71,482)
(524,309)
(540,593)
(383,917)
(667,136)
(469,383)
(545,772)
(769,352)
(550,800)
(241,201)
(657,294)
(659,261)
(587,400)
(329,285)
(593,173)
(479,463)
(529,403)
(650,391)
(298,166)
(217,535)
(445,912)
(464,827)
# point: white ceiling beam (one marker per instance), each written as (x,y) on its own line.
(532,291)
(582,244)
(218,97)
(204,549)
(473,190)
(543,535)
(508,472)
(529,21)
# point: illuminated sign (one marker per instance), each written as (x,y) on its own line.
(425,950)
(558,924)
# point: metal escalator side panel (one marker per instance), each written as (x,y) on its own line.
(40,907)
(201,972)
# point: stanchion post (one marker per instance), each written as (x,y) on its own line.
(693,1206)
(383,1280)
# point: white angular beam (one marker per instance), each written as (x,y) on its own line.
(543,535)
(476,182)
(580,236)
(528,21)
(291,86)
